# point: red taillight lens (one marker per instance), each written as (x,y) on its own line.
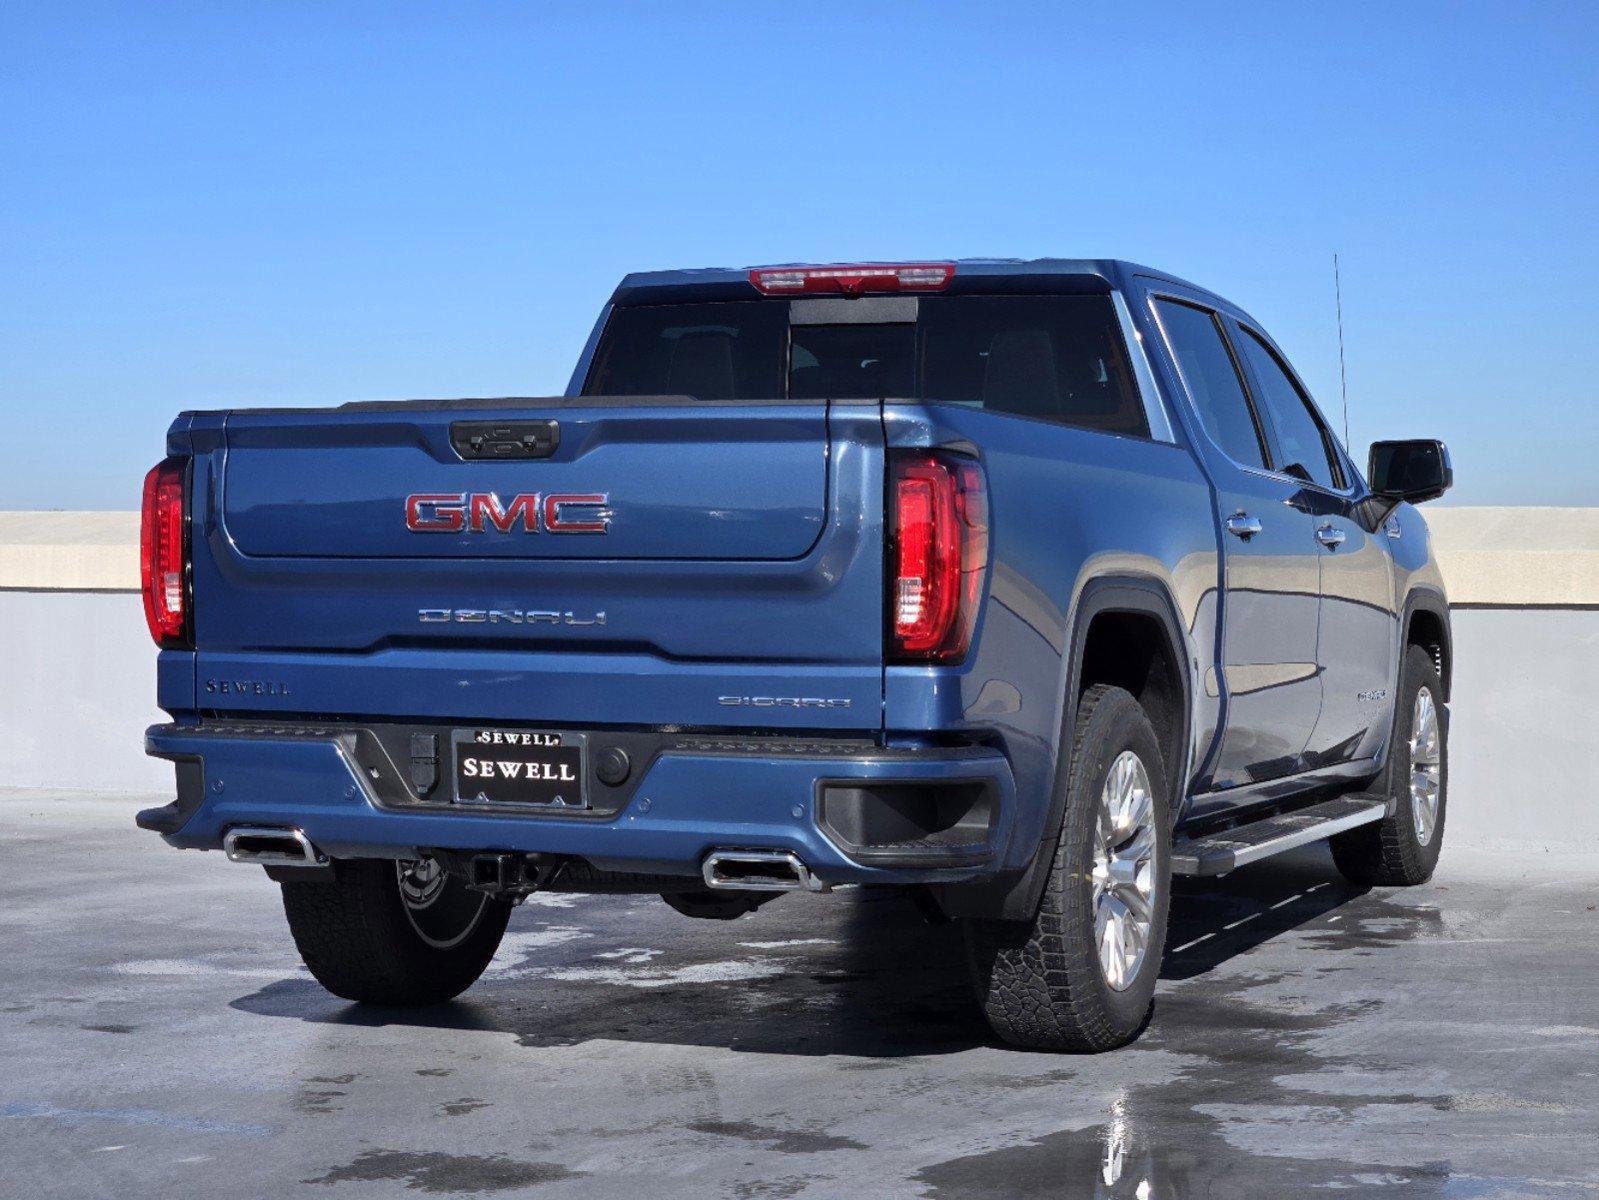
(940,555)
(852,279)
(162,549)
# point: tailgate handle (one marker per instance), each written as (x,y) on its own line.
(505,439)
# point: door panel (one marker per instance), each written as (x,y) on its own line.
(1356,643)
(1267,676)
(1271,611)
(1355,638)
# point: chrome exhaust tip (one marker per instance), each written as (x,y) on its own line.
(271,847)
(759,871)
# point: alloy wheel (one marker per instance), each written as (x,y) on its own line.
(1426,765)
(1123,876)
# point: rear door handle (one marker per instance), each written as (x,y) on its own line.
(1242,525)
(1331,536)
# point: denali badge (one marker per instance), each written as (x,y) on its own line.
(479,512)
(782,702)
(509,616)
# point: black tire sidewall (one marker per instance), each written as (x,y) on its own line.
(355,937)
(421,958)
(443,923)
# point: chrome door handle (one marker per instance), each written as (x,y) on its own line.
(1331,536)
(1242,525)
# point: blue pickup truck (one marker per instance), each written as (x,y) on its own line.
(1021,586)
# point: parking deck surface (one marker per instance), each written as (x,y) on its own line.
(159,1037)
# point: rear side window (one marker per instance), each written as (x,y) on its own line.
(719,351)
(1301,439)
(1213,379)
(1052,358)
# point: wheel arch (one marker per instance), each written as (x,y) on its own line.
(1426,624)
(1111,610)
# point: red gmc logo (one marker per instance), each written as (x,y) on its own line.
(479,512)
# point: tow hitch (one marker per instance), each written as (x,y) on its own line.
(503,875)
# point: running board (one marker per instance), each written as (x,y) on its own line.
(1218,853)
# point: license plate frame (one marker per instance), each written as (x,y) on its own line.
(514,787)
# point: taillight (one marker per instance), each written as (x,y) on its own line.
(852,279)
(939,555)
(163,549)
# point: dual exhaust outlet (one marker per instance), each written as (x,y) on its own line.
(271,847)
(759,871)
(723,870)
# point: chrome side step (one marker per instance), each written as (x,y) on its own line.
(759,871)
(1218,853)
(271,847)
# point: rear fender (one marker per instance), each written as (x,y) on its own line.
(1016,896)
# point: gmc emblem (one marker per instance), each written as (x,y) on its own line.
(479,512)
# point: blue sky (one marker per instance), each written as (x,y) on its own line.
(228,204)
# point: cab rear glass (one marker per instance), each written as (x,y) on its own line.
(1053,358)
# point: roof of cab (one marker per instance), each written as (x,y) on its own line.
(1024,274)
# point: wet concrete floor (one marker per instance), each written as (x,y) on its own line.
(159,1038)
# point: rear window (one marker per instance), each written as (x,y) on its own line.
(851,362)
(729,351)
(1052,358)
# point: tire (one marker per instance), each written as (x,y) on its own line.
(1402,850)
(1041,983)
(400,934)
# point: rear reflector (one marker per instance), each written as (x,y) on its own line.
(853,279)
(940,555)
(163,545)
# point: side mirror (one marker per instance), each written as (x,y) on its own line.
(1412,470)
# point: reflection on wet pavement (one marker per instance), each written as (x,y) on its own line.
(1308,1036)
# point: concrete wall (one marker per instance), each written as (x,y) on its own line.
(79,672)
(69,551)
(1524,755)
(1490,556)
(1511,557)
(79,679)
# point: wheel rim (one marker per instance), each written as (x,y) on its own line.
(1124,878)
(1426,765)
(442,910)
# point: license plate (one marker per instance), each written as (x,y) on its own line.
(508,766)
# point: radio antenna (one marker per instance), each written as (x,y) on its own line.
(1343,377)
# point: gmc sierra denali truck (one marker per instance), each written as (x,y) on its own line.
(1021,586)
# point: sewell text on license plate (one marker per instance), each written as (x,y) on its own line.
(516,766)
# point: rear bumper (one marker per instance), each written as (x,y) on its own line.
(692,795)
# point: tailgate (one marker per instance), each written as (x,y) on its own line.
(733,484)
(649,563)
